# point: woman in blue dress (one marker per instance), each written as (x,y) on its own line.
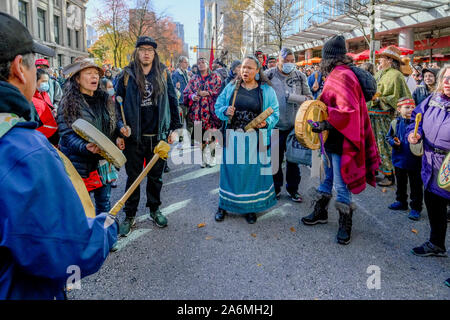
(246,182)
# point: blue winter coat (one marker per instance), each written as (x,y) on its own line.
(312,79)
(420,93)
(269,100)
(402,157)
(178,77)
(43,227)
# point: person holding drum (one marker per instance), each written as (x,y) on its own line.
(351,157)
(44,228)
(434,132)
(83,98)
(246,182)
(150,107)
(291,87)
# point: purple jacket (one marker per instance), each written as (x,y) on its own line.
(435,130)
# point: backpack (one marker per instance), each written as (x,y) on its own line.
(367,82)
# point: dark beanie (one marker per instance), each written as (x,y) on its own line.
(333,48)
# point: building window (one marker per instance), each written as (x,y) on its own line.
(23,13)
(57,3)
(60,60)
(72,59)
(69,38)
(77,39)
(41,24)
(56,28)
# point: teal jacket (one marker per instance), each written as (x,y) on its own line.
(269,100)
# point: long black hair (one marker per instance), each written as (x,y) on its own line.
(262,76)
(73,100)
(157,74)
(327,65)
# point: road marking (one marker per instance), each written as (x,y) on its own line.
(276,212)
(215,191)
(194,175)
(123,242)
(166,211)
(378,221)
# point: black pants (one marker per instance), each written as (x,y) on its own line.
(135,154)
(437,214)
(292,169)
(415,184)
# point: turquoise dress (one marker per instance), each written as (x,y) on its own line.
(246,181)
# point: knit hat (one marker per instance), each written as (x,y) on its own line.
(333,48)
(405,102)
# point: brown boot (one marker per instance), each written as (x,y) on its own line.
(388,181)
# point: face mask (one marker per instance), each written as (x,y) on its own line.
(44,87)
(288,67)
(111,92)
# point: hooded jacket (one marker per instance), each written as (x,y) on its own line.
(169,118)
(44,232)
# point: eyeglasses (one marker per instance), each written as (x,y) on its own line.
(145,50)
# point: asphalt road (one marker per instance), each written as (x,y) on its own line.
(276,258)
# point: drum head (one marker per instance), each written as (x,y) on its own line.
(108,149)
(444,174)
(314,110)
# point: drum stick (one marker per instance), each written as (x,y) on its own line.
(418,119)
(120,101)
(238,84)
(161,151)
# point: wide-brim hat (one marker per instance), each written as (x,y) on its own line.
(393,53)
(405,67)
(80,64)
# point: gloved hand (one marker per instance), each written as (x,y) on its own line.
(320,126)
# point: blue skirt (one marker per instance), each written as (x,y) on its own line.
(246,181)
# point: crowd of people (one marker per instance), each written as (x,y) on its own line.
(371,136)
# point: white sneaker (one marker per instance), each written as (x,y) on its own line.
(203,165)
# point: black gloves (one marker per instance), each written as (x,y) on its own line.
(320,126)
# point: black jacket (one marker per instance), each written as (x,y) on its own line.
(169,118)
(73,146)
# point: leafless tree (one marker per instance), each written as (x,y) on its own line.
(279,16)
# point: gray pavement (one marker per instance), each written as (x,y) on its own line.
(276,258)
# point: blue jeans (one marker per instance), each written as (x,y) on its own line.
(333,174)
(102,196)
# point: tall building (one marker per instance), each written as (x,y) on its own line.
(179,29)
(59,24)
(201,25)
(91,35)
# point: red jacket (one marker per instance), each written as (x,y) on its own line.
(44,107)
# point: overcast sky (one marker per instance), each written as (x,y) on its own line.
(186,12)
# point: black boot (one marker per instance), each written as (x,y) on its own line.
(320,213)
(220,215)
(345,222)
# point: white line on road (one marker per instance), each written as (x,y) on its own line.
(194,175)
(123,242)
(276,212)
(168,210)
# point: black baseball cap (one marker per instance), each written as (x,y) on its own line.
(146,40)
(16,40)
